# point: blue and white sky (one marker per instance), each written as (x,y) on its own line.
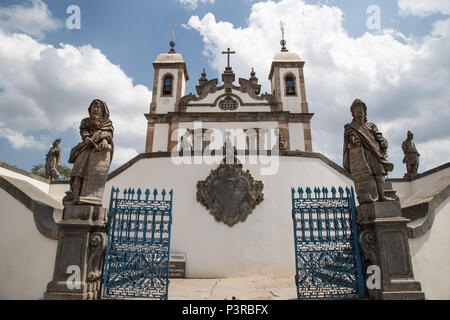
(49,74)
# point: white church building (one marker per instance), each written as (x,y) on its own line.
(272,134)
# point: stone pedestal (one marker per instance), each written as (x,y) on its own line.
(384,243)
(81,245)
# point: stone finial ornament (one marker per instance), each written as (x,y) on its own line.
(53,160)
(365,155)
(411,158)
(92,157)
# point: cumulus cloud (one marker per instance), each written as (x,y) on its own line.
(20,141)
(43,87)
(424,8)
(192,4)
(403,81)
(34,19)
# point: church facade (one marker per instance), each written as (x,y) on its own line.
(272,151)
(259,117)
(271,137)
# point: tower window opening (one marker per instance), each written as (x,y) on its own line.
(167,85)
(290,86)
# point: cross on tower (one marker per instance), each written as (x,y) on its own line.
(282,29)
(228,52)
(173,31)
(282,42)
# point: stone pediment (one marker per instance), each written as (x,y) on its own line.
(247,94)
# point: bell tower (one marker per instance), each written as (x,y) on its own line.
(288,86)
(169,85)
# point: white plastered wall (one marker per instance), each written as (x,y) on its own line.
(296,136)
(160,137)
(262,245)
(430,258)
(58,190)
(27,257)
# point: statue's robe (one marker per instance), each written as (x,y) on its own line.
(91,164)
(411,157)
(367,162)
(52,161)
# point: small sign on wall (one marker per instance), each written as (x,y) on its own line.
(177,265)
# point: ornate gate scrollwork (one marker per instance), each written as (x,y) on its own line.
(328,262)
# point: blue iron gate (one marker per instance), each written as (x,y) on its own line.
(328,264)
(136,263)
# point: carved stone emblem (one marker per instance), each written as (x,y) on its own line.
(230,193)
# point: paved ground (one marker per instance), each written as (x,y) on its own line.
(249,288)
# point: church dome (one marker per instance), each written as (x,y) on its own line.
(169,58)
(286,56)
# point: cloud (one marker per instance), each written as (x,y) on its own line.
(34,19)
(192,4)
(424,8)
(50,88)
(122,155)
(19,141)
(404,82)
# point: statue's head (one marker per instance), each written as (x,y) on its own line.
(357,108)
(410,135)
(98,112)
(56,142)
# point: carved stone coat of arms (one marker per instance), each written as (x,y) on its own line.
(230,193)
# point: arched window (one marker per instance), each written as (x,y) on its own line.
(290,85)
(167,85)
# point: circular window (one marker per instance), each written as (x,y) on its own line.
(228,104)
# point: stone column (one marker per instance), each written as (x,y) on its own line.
(384,243)
(81,246)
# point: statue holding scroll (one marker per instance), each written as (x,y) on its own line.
(92,157)
(365,155)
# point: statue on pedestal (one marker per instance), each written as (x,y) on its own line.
(53,160)
(411,158)
(81,231)
(185,141)
(365,153)
(92,157)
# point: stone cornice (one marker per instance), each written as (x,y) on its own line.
(285,64)
(229,117)
(172,65)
